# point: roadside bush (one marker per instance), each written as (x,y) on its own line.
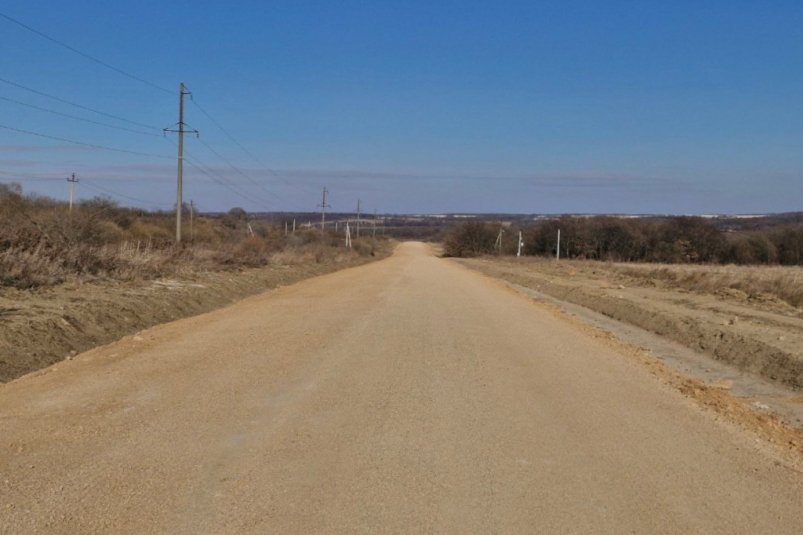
(251,251)
(43,243)
(364,246)
(673,240)
(151,233)
(471,238)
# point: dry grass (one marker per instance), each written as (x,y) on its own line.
(777,284)
(43,243)
(317,253)
(45,266)
(784,283)
(42,265)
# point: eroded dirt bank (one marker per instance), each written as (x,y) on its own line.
(754,337)
(41,327)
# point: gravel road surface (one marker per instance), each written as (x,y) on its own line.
(410,395)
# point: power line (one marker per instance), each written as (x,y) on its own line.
(238,171)
(182,92)
(117,178)
(82,144)
(241,146)
(81,106)
(214,177)
(228,184)
(29,176)
(218,180)
(84,54)
(121,195)
(90,184)
(54,112)
(231,137)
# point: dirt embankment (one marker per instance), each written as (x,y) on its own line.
(760,337)
(41,327)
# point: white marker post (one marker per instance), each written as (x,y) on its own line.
(557,251)
(518,253)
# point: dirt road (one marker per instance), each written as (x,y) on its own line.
(406,396)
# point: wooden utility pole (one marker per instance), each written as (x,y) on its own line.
(72,180)
(323,206)
(182,91)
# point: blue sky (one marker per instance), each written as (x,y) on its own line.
(564,106)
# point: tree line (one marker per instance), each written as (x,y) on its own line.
(669,240)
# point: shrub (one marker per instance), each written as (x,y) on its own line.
(471,238)
(43,243)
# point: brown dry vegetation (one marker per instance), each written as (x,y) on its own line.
(71,281)
(42,243)
(784,283)
(673,240)
(685,253)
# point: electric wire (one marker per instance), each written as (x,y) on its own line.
(81,106)
(83,144)
(226,132)
(84,54)
(194,162)
(227,183)
(214,177)
(24,177)
(238,171)
(220,181)
(75,117)
(34,179)
(107,191)
(242,147)
(30,176)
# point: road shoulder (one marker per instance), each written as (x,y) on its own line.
(772,411)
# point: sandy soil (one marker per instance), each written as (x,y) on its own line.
(759,336)
(410,395)
(41,327)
